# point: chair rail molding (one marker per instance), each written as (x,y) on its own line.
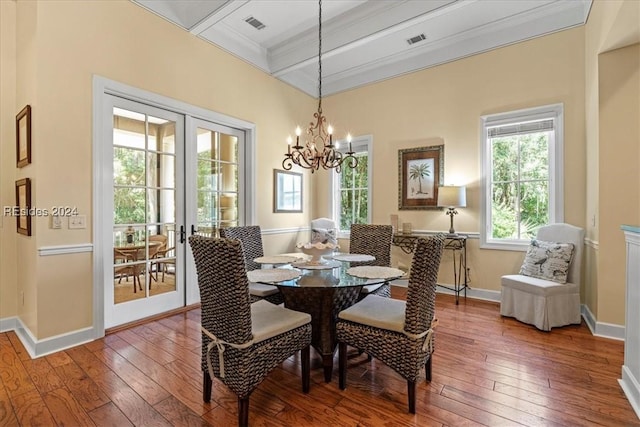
(65,249)
(594,244)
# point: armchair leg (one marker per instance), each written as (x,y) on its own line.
(206,387)
(342,364)
(243,412)
(427,368)
(411,393)
(305,355)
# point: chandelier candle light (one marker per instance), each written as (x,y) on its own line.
(318,149)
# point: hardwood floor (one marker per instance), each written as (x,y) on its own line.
(487,370)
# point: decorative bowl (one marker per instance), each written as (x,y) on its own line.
(316,251)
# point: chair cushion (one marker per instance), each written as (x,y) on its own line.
(261,290)
(537,286)
(269,320)
(379,312)
(547,260)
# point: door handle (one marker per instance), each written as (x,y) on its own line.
(183,234)
(193,230)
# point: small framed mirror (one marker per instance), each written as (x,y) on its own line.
(287,191)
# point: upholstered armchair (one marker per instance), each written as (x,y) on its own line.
(242,342)
(251,238)
(546,292)
(398,333)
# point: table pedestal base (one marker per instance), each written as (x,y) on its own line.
(323,304)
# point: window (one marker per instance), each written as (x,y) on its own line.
(522,175)
(352,188)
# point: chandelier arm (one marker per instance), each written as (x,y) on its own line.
(287,163)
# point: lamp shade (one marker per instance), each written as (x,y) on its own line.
(452,196)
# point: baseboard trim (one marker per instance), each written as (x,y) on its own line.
(631,389)
(481,294)
(8,324)
(602,329)
(38,348)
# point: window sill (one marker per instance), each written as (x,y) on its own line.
(514,245)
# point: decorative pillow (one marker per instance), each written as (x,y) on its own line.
(547,260)
(323,235)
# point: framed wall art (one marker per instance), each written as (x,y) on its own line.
(420,174)
(23,206)
(23,137)
(287,191)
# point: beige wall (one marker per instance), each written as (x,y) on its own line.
(8,288)
(445,103)
(619,165)
(611,25)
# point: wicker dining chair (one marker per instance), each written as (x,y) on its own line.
(251,238)
(251,339)
(372,239)
(123,267)
(398,333)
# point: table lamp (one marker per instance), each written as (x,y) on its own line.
(452,197)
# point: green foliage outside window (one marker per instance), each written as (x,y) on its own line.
(128,170)
(354,193)
(520,185)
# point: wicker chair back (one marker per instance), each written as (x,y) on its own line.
(421,295)
(224,290)
(371,239)
(251,238)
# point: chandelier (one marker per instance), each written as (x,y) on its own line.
(318,149)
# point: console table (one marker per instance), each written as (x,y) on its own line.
(457,244)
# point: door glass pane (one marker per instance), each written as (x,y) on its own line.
(228,148)
(206,144)
(165,164)
(128,166)
(128,205)
(144,203)
(217,181)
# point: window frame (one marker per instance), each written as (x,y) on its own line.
(556,170)
(363,143)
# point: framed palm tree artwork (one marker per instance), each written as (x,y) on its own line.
(420,174)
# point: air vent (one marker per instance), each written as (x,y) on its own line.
(416,39)
(254,23)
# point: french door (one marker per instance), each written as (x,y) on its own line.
(170,175)
(147,152)
(215,184)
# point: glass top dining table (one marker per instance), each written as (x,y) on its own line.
(324,291)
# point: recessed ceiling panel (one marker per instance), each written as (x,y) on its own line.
(364,41)
(184,13)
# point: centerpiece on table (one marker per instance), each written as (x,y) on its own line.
(316,251)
